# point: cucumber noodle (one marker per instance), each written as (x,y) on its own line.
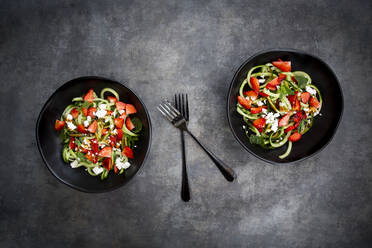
(277,103)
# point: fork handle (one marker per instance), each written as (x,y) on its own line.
(185,189)
(226,171)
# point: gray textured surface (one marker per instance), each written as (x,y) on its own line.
(164,47)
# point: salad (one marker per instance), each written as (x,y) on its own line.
(277,105)
(99,134)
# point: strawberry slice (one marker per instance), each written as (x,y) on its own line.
(90,156)
(314,102)
(244,102)
(294,137)
(251,94)
(256,110)
(273,83)
(116,170)
(120,105)
(128,152)
(119,122)
(107,163)
(263,94)
(85,111)
(259,123)
(93,127)
(72,143)
(119,136)
(289,129)
(130,109)
(281,77)
(91,111)
(94,145)
(112,99)
(296,106)
(112,141)
(81,129)
(255,84)
(59,125)
(291,99)
(284,120)
(105,152)
(89,97)
(283,65)
(74,113)
(104,131)
(305,96)
(129,124)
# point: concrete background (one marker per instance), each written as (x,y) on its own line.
(159,48)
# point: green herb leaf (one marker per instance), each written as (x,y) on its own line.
(137,124)
(81,156)
(256,140)
(78,142)
(285,90)
(85,105)
(302,81)
(301,127)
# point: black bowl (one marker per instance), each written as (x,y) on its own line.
(50,145)
(324,126)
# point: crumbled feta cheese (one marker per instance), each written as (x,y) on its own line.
(71,126)
(274,125)
(299,94)
(311,90)
(259,103)
(101,113)
(120,165)
(281,104)
(86,123)
(262,76)
(111,126)
(114,113)
(107,120)
(276,115)
(69,117)
(86,141)
(261,80)
(121,111)
(89,118)
(320,114)
(97,170)
(115,131)
(243,126)
(264,111)
(102,106)
(74,164)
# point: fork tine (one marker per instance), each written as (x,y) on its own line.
(175,101)
(171,108)
(183,105)
(163,113)
(187,108)
(165,108)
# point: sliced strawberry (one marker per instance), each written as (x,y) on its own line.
(296,106)
(130,109)
(273,83)
(263,94)
(294,137)
(270,87)
(314,102)
(108,112)
(105,152)
(129,124)
(93,127)
(284,120)
(123,116)
(118,122)
(91,111)
(116,170)
(85,111)
(89,97)
(107,163)
(119,136)
(291,99)
(112,141)
(90,156)
(256,110)
(81,129)
(283,65)
(289,129)
(120,105)
(59,125)
(94,145)
(244,102)
(83,150)
(72,143)
(298,116)
(104,131)
(255,84)
(74,113)
(259,123)
(305,96)
(251,94)
(112,99)
(128,152)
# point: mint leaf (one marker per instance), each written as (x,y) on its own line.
(285,90)
(137,124)
(301,127)
(302,81)
(256,140)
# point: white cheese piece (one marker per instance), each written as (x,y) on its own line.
(115,131)
(102,106)
(86,123)
(264,111)
(74,164)
(261,80)
(121,112)
(274,126)
(71,126)
(259,103)
(101,113)
(97,170)
(89,118)
(69,117)
(311,90)
(276,115)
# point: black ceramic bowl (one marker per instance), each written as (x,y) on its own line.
(324,126)
(50,145)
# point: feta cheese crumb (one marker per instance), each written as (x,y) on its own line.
(69,117)
(311,90)
(276,115)
(102,106)
(97,170)
(299,94)
(261,80)
(121,111)
(101,113)
(74,164)
(89,118)
(115,131)
(86,123)
(71,126)
(259,103)
(274,125)
(264,111)
(120,165)
(111,126)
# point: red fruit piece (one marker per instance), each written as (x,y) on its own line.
(259,123)
(127,151)
(314,102)
(284,120)
(120,105)
(59,125)
(89,97)
(255,84)
(74,113)
(119,122)
(244,102)
(112,99)
(305,96)
(93,127)
(105,152)
(130,109)
(294,137)
(251,94)
(81,129)
(283,65)
(256,110)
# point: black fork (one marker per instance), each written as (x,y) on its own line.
(182,104)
